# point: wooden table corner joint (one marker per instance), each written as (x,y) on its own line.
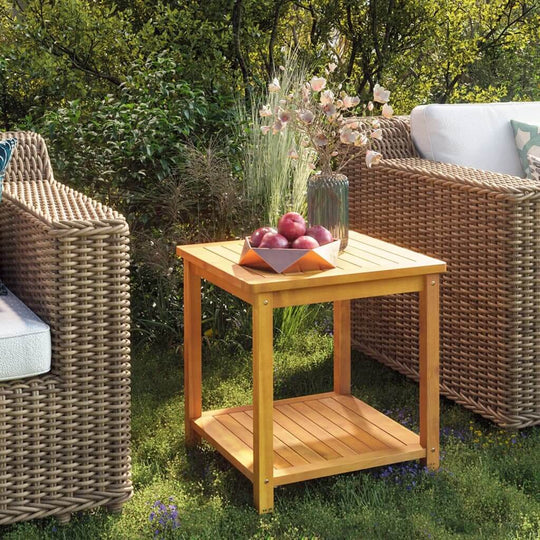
(278,442)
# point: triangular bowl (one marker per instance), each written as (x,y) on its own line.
(289,260)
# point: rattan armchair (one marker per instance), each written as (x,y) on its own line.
(65,435)
(486,226)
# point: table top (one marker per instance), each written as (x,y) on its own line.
(364,259)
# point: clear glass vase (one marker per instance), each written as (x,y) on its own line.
(328,204)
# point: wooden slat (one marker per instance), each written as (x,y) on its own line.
(316,430)
(381,426)
(348,464)
(357,431)
(240,408)
(227,444)
(295,444)
(336,431)
(279,446)
(246,436)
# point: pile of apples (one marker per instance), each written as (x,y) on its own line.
(292,232)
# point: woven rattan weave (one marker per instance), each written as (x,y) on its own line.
(65,436)
(486,226)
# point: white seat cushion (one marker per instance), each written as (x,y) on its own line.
(477,135)
(25,341)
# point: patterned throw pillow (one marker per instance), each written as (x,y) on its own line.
(6,151)
(534,167)
(527,141)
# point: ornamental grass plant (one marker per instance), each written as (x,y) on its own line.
(273,183)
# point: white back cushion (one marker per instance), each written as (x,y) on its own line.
(476,135)
(25,341)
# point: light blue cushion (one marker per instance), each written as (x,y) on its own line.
(6,151)
(527,142)
(25,341)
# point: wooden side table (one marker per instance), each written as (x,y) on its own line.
(281,442)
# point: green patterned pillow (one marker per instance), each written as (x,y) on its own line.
(6,151)
(527,142)
(534,167)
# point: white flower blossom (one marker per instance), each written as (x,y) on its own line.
(380,94)
(265,111)
(372,158)
(348,136)
(387,111)
(265,129)
(377,134)
(331,67)
(274,86)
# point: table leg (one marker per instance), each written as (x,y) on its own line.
(342,347)
(429,370)
(192,351)
(263,401)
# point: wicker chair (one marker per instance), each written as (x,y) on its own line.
(486,226)
(65,436)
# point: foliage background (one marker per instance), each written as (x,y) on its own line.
(139,101)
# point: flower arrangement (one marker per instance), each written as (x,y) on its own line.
(325,122)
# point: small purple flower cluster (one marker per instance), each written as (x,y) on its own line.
(461,435)
(164,517)
(404,417)
(407,475)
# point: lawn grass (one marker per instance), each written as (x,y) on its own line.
(488,485)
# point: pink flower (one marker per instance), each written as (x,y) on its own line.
(380,94)
(329,109)
(349,101)
(377,134)
(317,83)
(306,116)
(387,111)
(372,158)
(327,97)
(284,116)
(278,126)
(348,136)
(293,154)
(265,129)
(320,139)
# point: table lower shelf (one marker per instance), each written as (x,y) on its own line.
(314,436)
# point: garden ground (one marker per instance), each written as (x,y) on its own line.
(488,485)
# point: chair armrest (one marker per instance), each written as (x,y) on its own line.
(420,204)
(67,257)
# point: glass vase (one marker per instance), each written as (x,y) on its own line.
(328,204)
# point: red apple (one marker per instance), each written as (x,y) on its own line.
(305,242)
(257,236)
(321,234)
(274,240)
(291,225)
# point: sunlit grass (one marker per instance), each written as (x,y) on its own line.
(488,486)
